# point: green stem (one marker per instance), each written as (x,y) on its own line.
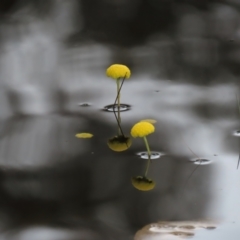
(149,156)
(118,102)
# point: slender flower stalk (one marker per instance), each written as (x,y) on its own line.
(118,72)
(118,103)
(149,156)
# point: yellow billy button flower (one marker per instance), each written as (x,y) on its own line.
(84,135)
(119,143)
(142,129)
(117,71)
(142,183)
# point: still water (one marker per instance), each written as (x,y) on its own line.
(56,186)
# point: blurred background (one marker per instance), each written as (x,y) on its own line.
(184,58)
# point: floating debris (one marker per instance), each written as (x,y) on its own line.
(172,230)
(84,104)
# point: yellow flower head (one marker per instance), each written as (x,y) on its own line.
(119,143)
(84,135)
(142,183)
(117,71)
(142,129)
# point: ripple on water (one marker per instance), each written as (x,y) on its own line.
(114,108)
(200,161)
(85,104)
(236,133)
(154,155)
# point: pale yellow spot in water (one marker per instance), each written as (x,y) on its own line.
(149,120)
(84,135)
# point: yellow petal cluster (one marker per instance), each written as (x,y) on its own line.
(117,71)
(84,135)
(142,183)
(142,129)
(119,143)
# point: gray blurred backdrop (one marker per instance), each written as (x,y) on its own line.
(53,56)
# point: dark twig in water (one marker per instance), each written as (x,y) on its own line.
(238,157)
(198,158)
(239,140)
(192,173)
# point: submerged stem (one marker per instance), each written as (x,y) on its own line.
(149,156)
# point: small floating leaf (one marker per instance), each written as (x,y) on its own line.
(84,135)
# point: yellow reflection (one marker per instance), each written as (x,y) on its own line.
(119,143)
(84,135)
(142,183)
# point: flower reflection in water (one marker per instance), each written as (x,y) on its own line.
(142,183)
(119,143)
(143,129)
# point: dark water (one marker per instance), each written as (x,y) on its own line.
(184,59)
